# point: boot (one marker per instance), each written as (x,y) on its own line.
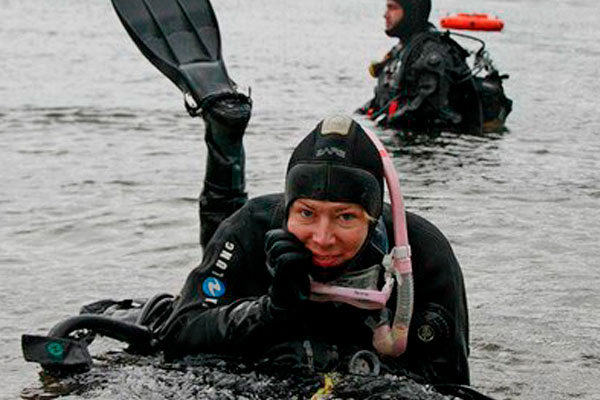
(224,192)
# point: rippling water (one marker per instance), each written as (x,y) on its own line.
(101,167)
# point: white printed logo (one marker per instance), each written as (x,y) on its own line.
(331,151)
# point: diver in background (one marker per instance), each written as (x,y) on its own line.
(424,84)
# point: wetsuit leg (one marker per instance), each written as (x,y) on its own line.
(224,183)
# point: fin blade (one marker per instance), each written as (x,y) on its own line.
(201,17)
(181,38)
(179,34)
(147,35)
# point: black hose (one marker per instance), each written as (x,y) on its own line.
(137,336)
(152,307)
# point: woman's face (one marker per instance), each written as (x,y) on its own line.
(333,232)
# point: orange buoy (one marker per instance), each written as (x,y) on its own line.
(474,22)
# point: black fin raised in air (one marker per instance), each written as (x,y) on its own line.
(181,38)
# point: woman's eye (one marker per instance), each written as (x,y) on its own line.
(306,213)
(347,217)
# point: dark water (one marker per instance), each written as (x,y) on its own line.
(101,167)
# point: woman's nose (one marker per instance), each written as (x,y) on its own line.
(323,234)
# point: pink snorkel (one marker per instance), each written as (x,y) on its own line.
(389,338)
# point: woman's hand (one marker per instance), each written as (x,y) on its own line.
(289,261)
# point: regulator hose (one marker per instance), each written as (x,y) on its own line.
(137,336)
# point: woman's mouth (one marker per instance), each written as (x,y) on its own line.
(325,260)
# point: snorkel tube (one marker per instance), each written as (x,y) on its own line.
(389,337)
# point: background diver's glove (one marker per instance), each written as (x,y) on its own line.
(289,262)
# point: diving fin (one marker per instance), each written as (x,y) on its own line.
(181,38)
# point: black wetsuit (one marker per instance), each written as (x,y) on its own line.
(425,86)
(224,306)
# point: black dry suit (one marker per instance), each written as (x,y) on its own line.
(224,306)
(425,85)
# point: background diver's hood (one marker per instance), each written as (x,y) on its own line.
(416,16)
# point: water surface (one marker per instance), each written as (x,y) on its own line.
(101,169)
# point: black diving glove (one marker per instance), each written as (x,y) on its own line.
(289,262)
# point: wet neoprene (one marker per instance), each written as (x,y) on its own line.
(224,183)
(289,260)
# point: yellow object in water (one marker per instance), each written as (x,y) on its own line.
(326,391)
